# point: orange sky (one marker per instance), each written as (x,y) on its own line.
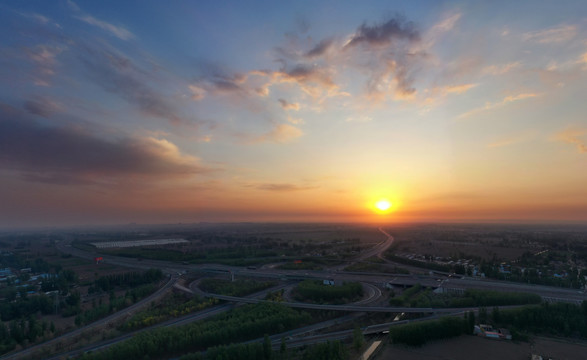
(231,112)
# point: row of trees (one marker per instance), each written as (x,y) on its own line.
(115,304)
(330,350)
(556,319)
(225,255)
(23,331)
(407,297)
(418,333)
(561,319)
(239,287)
(26,306)
(126,280)
(241,324)
(315,290)
(422,264)
(171,306)
(493,298)
(417,296)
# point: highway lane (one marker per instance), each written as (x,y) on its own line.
(349,308)
(373,278)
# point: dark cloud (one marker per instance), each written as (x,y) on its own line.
(225,85)
(389,53)
(320,48)
(384,34)
(304,73)
(120,75)
(218,79)
(41,106)
(70,155)
(287,105)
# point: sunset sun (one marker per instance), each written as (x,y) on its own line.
(383,205)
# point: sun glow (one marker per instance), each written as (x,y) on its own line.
(383,205)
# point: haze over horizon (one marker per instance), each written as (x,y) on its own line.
(163,112)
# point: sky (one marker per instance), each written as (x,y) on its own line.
(185,111)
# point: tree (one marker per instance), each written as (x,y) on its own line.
(482,315)
(358,338)
(495,317)
(267,351)
(283,347)
(471,322)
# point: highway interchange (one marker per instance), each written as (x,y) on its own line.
(372,282)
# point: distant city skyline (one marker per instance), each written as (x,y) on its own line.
(381,111)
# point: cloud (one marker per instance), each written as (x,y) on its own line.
(320,49)
(289,106)
(72,155)
(447,24)
(583,60)
(41,19)
(73,6)
(44,58)
(295,121)
(198,93)
(283,187)
(573,136)
(315,81)
(118,31)
(458,89)
(216,80)
(389,53)
(280,133)
(515,139)
(501,69)
(489,105)
(442,27)
(42,106)
(359,119)
(557,34)
(120,75)
(379,35)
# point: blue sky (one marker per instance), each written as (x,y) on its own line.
(149,111)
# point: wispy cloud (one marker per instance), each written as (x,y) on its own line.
(489,105)
(45,59)
(42,106)
(575,136)
(288,106)
(282,187)
(557,34)
(279,133)
(118,31)
(320,49)
(510,140)
(120,75)
(41,19)
(359,119)
(501,69)
(445,25)
(448,23)
(458,89)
